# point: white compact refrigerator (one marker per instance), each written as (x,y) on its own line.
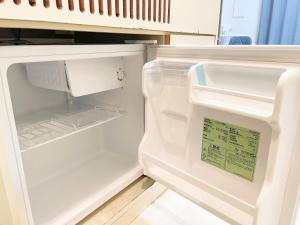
(218,125)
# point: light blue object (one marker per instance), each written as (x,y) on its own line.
(280,22)
(200,74)
(240,40)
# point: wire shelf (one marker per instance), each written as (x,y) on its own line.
(56,122)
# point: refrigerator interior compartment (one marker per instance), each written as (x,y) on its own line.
(71,177)
(67,198)
(76,160)
(78,77)
(55,122)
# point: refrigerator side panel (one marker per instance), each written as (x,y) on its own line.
(10,160)
(6,215)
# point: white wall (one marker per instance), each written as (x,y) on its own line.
(178,39)
(240,17)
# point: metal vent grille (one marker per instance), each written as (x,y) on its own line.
(157,11)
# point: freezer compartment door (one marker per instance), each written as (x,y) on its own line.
(78,77)
(220,133)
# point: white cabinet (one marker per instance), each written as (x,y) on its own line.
(217,125)
(118,16)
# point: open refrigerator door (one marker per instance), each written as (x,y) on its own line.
(222,129)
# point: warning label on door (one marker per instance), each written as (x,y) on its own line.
(229,147)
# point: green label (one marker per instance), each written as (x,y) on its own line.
(229,147)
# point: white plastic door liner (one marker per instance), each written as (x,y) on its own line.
(222,133)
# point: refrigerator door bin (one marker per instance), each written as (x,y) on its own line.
(250,79)
(243,89)
(78,77)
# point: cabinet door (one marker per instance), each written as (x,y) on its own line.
(221,128)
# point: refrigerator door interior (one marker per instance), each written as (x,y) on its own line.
(221,129)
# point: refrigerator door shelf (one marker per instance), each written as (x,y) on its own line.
(248,90)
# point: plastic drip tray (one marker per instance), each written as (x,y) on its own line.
(56,122)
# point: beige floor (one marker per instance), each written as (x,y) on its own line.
(148,203)
(127,204)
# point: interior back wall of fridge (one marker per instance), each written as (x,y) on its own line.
(79,166)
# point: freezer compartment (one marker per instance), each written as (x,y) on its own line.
(212,130)
(78,77)
(76,152)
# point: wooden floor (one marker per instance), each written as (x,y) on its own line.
(146,202)
(127,205)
